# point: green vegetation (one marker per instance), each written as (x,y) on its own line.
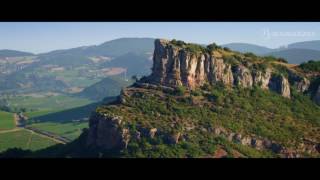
(313,66)
(177,43)
(63,115)
(195,48)
(180,90)
(6,121)
(23,139)
(246,111)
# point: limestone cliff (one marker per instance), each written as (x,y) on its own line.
(177,66)
(106,131)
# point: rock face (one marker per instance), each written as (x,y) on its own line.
(262,79)
(152,132)
(243,76)
(317,96)
(280,84)
(303,85)
(175,66)
(106,131)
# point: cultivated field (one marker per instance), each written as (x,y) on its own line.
(6,121)
(23,139)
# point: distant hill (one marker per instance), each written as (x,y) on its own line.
(245,47)
(118,50)
(296,56)
(22,83)
(12,53)
(136,64)
(105,88)
(81,66)
(112,48)
(313,45)
(295,53)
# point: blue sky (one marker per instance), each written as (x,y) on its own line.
(38,37)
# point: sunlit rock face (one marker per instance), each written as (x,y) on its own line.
(174,66)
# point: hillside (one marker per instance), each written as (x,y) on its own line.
(105,88)
(111,48)
(136,64)
(206,102)
(296,56)
(313,45)
(71,70)
(294,53)
(12,53)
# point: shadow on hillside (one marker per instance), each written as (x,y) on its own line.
(75,114)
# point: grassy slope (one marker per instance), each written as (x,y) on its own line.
(6,121)
(245,111)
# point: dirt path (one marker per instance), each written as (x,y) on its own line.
(29,140)
(10,130)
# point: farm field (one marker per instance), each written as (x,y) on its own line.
(58,114)
(67,123)
(48,103)
(70,130)
(23,139)
(6,121)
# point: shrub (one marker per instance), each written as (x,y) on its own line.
(250,54)
(310,66)
(226,49)
(196,92)
(177,42)
(282,60)
(180,90)
(212,47)
(195,48)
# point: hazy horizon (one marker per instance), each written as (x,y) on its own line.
(41,37)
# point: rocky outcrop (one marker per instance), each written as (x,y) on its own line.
(243,77)
(302,84)
(106,132)
(152,132)
(219,72)
(316,98)
(175,66)
(280,84)
(262,79)
(174,138)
